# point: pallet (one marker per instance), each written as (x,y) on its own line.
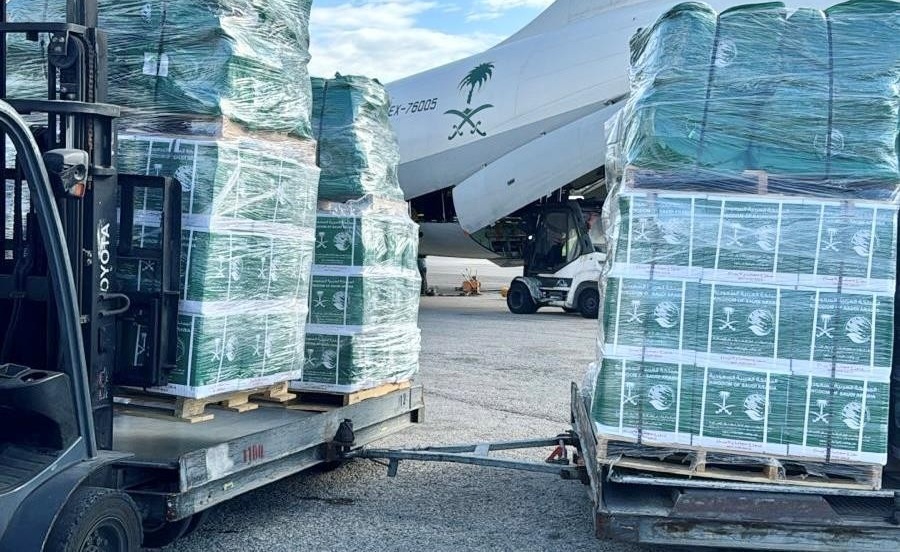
(694,462)
(326,401)
(136,402)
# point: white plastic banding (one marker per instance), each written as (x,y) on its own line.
(187,270)
(777,325)
(678,400)
(765,436)
(815,323)
(809,380)
(630,230)
(691,237)
(703,401)
(872,241)
(337,362)
(872,337)
(819,239)
(778,241)
(719,235)
(624,365)
(193,178)
(862,415)
(618,312)
(222,353)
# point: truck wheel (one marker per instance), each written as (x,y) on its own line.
(589,303)
(97,520)
(519,299)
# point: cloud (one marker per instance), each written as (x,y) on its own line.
(484,10)
(385,39)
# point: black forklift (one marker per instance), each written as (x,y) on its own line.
(76,475)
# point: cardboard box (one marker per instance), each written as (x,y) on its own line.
(650,401)
(650,319)
(366,240)
(342,359)
(839,419)
(349,296)
(849,334)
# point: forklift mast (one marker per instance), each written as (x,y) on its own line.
(71,120)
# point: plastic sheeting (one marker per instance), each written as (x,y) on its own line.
(796,93)
(247,247)
(358,150)
(749,288)
(241,60)
(364,298)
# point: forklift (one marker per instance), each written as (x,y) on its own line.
(75,475)
(562,259)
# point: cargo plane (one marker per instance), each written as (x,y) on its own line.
(486,139)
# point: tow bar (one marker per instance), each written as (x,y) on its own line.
(559,462)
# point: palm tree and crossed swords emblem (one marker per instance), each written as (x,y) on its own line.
(474,80)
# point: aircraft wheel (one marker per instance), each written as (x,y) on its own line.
(589,303)
(519,299)
(97,520)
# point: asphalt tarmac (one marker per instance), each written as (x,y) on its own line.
(489,375)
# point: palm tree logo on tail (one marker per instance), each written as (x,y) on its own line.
(474,81)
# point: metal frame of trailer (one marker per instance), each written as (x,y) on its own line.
(640,507)
(175,470)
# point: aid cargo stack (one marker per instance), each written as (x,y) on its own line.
(749,299)
(216,94)
(364,297)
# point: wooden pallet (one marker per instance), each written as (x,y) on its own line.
(324,401)
(136,402)
(694,462)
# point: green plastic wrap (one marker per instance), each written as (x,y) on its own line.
(752,313)
(358,150)
(248,239)
(243,60)
(669,64)
(804,95)
(364,298)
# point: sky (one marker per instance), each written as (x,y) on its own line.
(391,39)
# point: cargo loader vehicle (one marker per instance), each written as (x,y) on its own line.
(76,475)
(561,263)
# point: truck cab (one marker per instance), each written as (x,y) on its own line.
(562,257)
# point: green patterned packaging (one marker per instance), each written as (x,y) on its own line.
(220,351)
(347,360)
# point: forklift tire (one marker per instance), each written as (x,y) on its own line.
(169,532)
(197,520)
(98,520)
(589,303)
(519,299)
(166,532)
